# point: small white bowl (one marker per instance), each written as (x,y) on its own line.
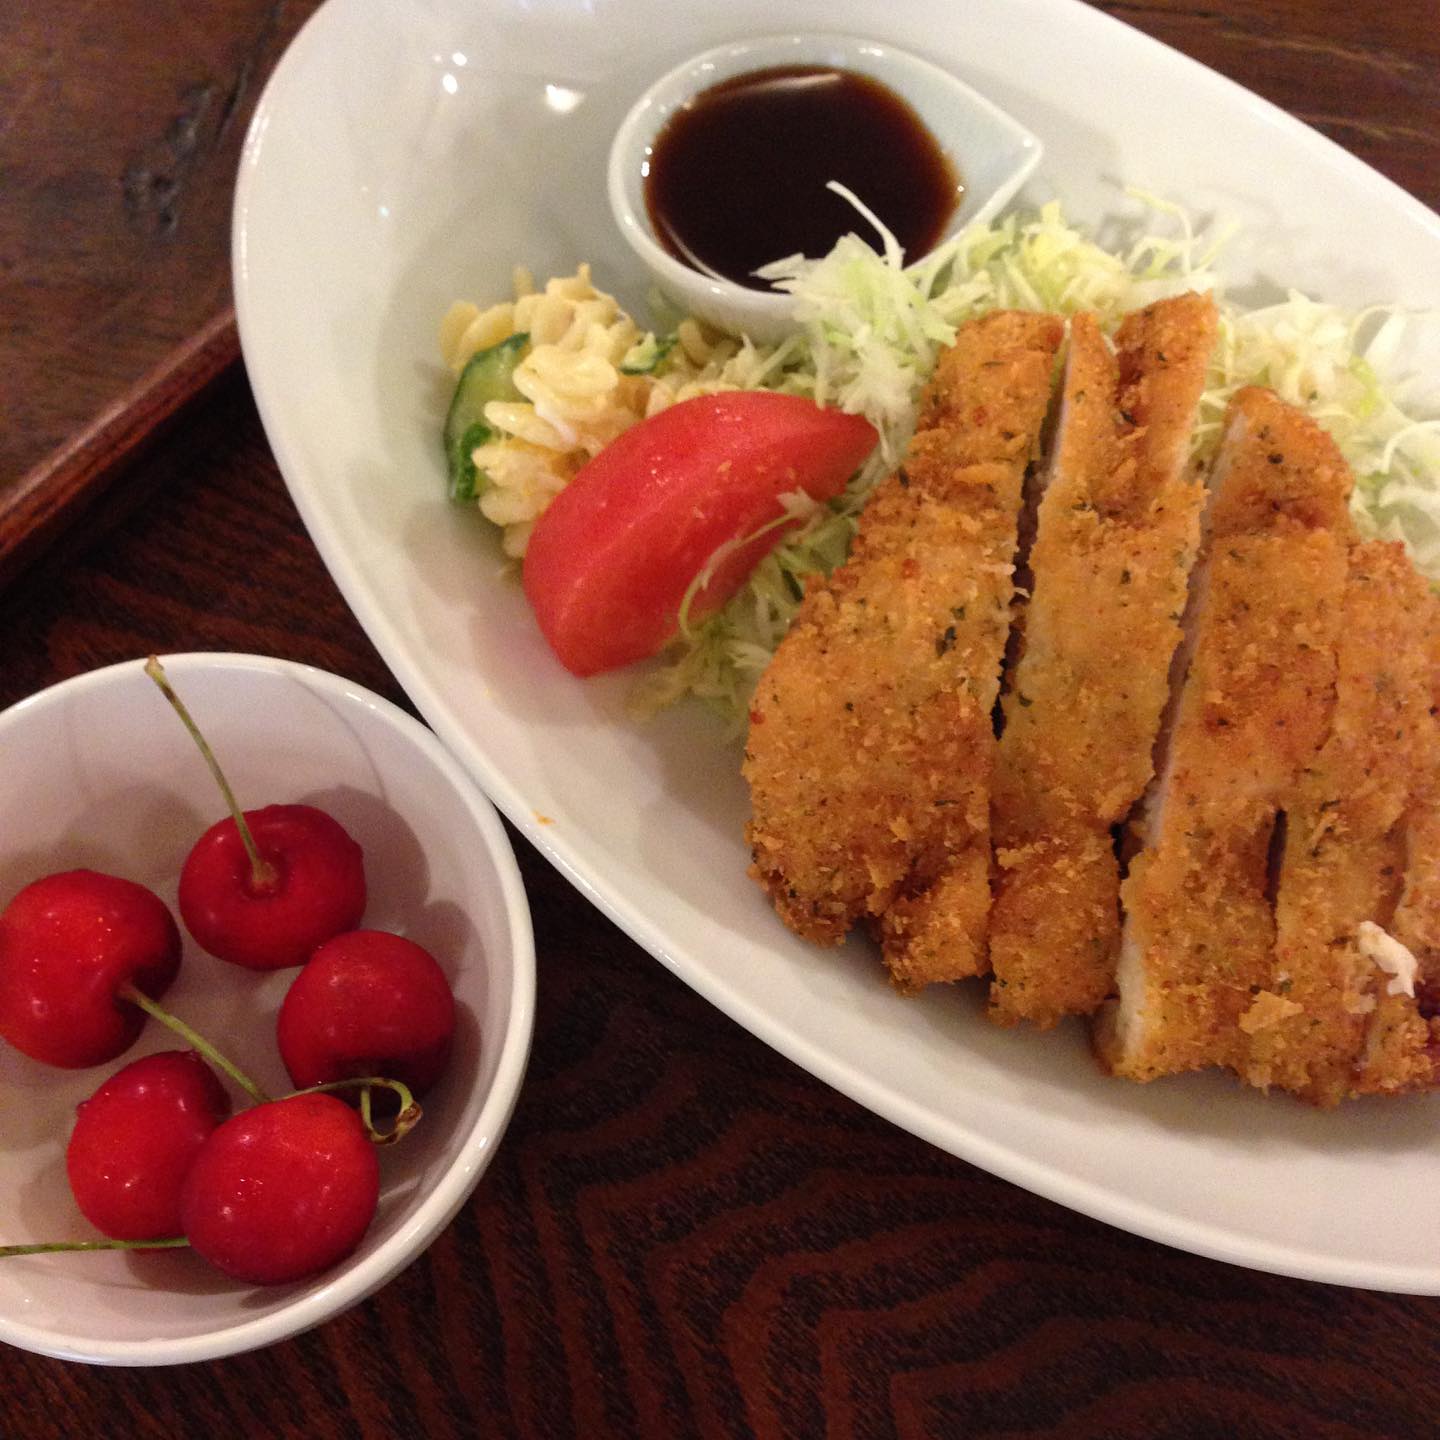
(99,773)
(993,153)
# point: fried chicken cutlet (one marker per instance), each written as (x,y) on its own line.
(1402,1040)
(1254,708)
(871,745)
(1117,531)
(1344,858)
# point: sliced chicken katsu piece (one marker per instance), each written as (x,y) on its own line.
(1117,531)
(1402,1041)
(1343,859)
(870,747)
(1253,710)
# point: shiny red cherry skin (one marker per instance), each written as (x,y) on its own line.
(135,1139)
(282,1191)
(319,887)
(368,1003)
(67,943)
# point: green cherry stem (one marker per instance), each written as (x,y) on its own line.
(127,991)
(263,875)
(404,1122)
(175,1243)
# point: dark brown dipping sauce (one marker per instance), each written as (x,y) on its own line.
(737,177)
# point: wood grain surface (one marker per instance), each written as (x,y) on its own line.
(120,133)
(114,242)
(682,1234)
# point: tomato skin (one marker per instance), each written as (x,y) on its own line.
(609,562)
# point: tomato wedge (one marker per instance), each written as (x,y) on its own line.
(609,562)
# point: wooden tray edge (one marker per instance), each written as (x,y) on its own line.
(56,494)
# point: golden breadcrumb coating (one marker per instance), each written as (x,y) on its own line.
(1343,857)
(1402,1042)
(870,745)
(1253,711)
(1117,531)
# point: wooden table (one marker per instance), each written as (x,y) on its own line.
(683,1234)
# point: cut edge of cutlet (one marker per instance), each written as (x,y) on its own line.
(989,405)
(1402,1043)
(1117,535)
(1162,351)
(1253,707)
(886,681)
(1311,493)
(1343,856)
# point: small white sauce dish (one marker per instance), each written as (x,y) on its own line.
(993,153)
(100,774)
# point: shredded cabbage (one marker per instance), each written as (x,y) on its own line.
(871,329)
(1331,363)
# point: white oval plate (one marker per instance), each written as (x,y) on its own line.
(406,155)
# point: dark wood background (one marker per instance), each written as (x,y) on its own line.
(682,1234)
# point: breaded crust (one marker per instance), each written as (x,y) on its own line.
(1117,533)
(870,747)
(1252,713)
(1162,353)
(1402,1040)
(1344,856)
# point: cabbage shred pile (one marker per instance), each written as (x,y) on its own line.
(871,329)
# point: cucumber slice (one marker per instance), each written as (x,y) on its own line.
(487,376)
(646,354)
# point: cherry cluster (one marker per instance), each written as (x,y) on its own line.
(287,1187)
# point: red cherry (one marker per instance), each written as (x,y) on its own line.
(316,891)
(135,1139)
(68,944)
(282,1191)
(265,887)
(368,1003)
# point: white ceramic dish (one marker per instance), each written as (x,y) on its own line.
(406,156)
(993,152)
(99,773)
